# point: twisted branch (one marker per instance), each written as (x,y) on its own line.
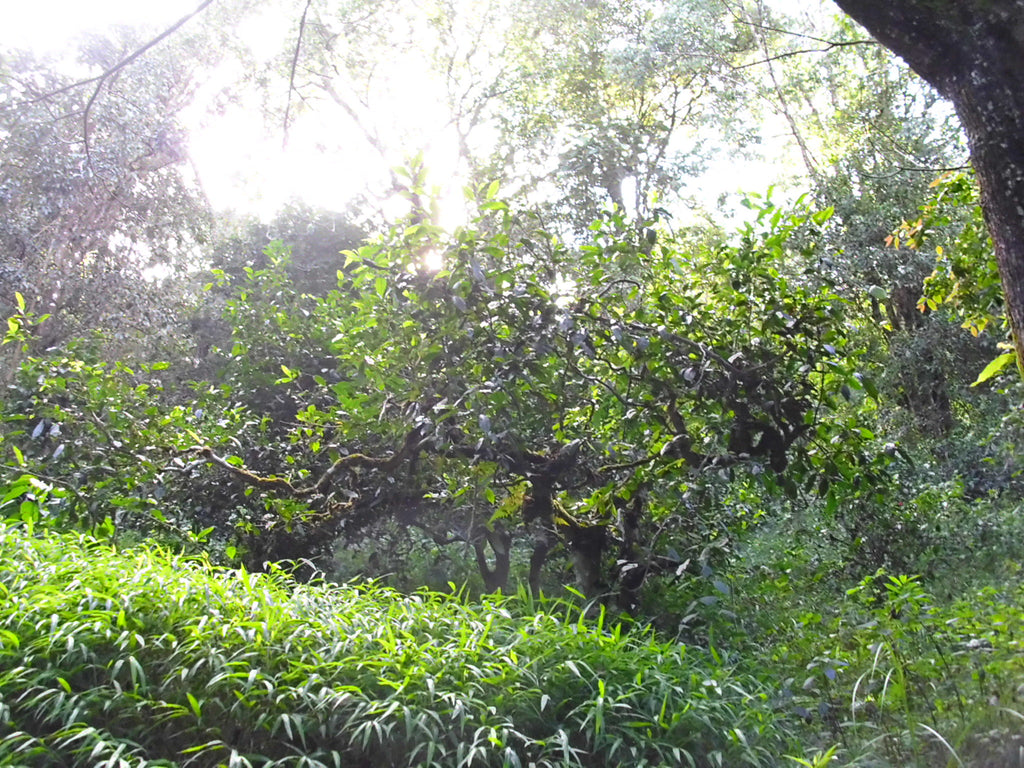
(352,461)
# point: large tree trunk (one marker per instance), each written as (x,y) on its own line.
(972,52)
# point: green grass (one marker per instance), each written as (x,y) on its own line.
(886,673)
(143,657)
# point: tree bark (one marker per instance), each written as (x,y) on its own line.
(972,52)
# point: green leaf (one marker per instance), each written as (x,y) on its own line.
(29,511)
(381,286)
(995,367)
(822,216)
(9,639)
(21,301)
(290,375)
(492,190)
(870,387)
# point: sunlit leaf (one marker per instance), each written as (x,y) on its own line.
(995,367)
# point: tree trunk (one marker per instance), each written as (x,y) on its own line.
(500,541)
(972,52)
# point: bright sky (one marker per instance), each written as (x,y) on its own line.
(46,25)
(242,165)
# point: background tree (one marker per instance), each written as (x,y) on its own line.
(871,137)
(577,107)
(88,211)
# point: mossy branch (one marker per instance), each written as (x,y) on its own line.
(352,461)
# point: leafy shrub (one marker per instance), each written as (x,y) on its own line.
(109,450)
(539,404)
(527,397)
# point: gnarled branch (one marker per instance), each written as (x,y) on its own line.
(352,461)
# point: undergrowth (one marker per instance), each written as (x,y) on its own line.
(880,671)
(143,657)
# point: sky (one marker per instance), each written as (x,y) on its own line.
(243,166)
(46,25)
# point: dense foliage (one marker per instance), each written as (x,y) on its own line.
(582,401)
(147,658)
(590,476)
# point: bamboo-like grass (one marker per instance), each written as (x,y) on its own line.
(147,658)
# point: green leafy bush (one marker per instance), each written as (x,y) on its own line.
(104,447)
(520,395)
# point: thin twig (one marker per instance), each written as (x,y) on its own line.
(791,33)
(620,281)
(787,54)
(291,73)
(912,169)
(101,79)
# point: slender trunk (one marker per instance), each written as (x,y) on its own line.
(784,108)
(544,540)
